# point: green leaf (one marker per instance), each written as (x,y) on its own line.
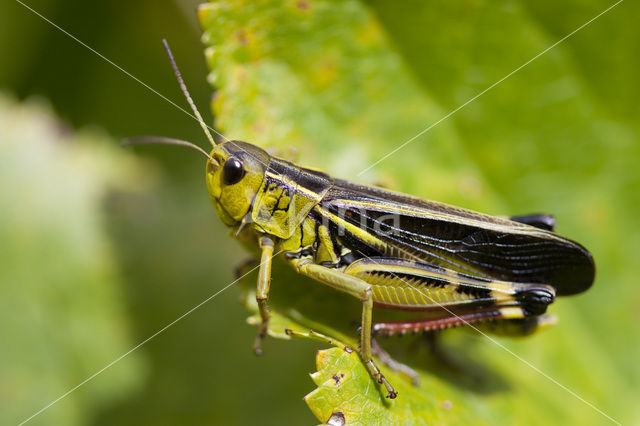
(346,83)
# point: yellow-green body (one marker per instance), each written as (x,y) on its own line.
(467,266)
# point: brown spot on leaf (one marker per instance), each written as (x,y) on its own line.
(348,349)
(303,5)
(241,35)
(337,378)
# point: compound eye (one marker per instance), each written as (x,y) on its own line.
(232,171)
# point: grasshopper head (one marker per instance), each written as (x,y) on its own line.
(235,169)
(234,175)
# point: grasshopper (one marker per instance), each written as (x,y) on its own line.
(389,249)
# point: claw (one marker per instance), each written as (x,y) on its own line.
(394,365)
(258,342)
(379,377)
(256,345)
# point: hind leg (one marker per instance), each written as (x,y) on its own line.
(361,290)
(393,365)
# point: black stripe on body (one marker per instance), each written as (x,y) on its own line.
(475,291)
(359,248)
(468,242)
(312,180)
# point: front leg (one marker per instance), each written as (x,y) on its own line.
(357,288)
(262,292)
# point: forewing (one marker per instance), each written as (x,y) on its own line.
(472,243)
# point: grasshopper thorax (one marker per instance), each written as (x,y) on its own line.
(234,174)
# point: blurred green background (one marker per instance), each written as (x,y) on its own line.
(102,246)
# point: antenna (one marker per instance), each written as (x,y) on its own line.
(161,140)
(186,94)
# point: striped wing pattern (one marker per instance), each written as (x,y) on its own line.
(470,243)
